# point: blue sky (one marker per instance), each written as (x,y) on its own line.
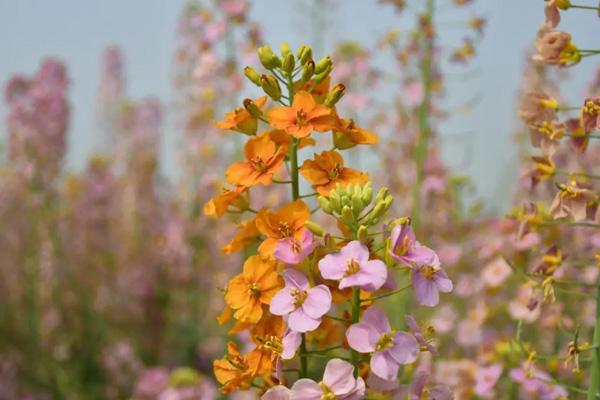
(77,32)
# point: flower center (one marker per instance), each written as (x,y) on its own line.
(327,393)
(258,164)
(284,229)
(299,297)
(352,267)
(335,172)
(591,108)
(253,289)
(548,130)
(402,246)
(300,118)
(271,343)
(237,362)
(385,341)
(429,271)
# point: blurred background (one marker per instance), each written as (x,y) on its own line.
(111,277)
(477,140)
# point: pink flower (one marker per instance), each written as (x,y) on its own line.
(415,390)
(291,252)
(590,114)
(418,334)
(406,249)
(352,267)
(338,383)
(496,272)
(536,383)
(390,349)
(486,378)
(305,305)
(429,279)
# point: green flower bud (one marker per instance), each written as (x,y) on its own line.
(323,64)
(252,108)
(321,77)
(314,228)
(362,234)
(271,86)
(383,192)
(285,49)
(308,70)
(267,58)
(288,64)
(335,95)
(367,194)
(304,54)
(347,216)
(325,204)
(357,205)
(334,199)
(253,75)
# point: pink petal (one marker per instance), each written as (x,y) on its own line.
(300,322)
(360,336)
(332,266)
(318,302)
(377,319)
(377,272)
(358,393)
(290,341)
(339,377)
(355,249)
(278,392)
(295,279)
(306,389)
(405,349)
(384,366)
(426,290)
(282,303)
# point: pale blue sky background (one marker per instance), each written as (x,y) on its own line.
(77,31)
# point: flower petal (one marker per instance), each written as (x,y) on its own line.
(318,302)
(405,349)
(362,337)
(282,303)
(339,377)
(298,321)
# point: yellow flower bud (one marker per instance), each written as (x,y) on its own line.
(314,228)
(288,64)
(323,64)
(304,54)
(271,86)
(336,93)
(267,58)
(308,70)
(253,75)
(252,108)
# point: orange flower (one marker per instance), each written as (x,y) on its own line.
(303,117)
(245,236)
(348,135)
(287,221)
(327,169)
(218,205)
(284,140)
(264,158)
(240,119)
(232,371)
(255,286)
(267,335)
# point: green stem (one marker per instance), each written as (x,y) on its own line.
(583,7)
(355,317)
(303,358)
(295,196)
(424,126)
(594,389)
